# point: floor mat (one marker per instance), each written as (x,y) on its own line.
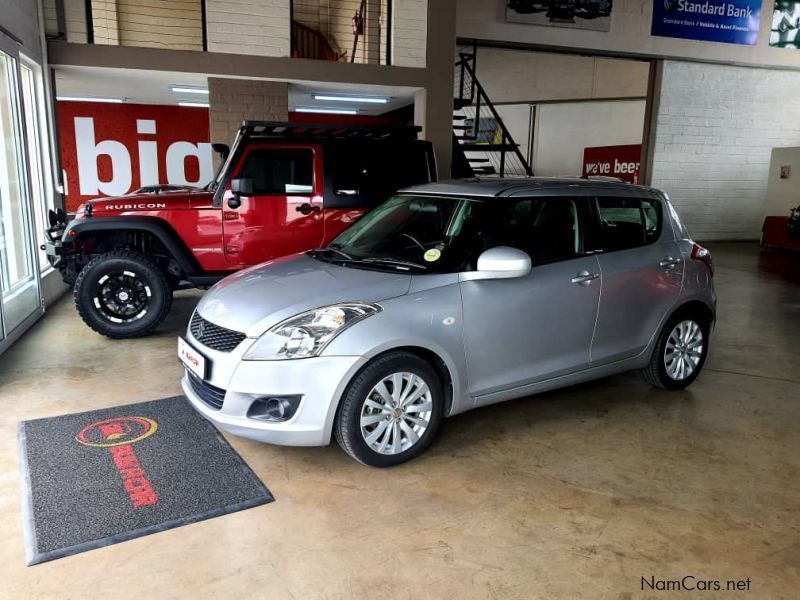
(97,478)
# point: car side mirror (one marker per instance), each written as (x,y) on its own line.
(501,262)
(242,186)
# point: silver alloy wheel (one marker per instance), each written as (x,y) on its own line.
(396,413)
(684,350)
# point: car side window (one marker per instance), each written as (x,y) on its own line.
(652,220)
(622,223)
(548,229)
(280,171)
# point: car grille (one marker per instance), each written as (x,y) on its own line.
(212,396)
(213,336)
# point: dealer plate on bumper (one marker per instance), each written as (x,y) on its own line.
(192,359)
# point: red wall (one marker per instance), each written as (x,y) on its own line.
(117,122)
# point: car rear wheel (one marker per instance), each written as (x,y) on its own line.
(680,353)
(122,294)
(390,412)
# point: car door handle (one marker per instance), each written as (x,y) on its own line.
(585,278)
(669,262)
(307,208)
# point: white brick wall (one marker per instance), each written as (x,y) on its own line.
(259,27)
(716,127)
(409,32)
(234,100)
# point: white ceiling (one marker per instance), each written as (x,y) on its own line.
(153,87)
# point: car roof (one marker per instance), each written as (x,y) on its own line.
(534,186)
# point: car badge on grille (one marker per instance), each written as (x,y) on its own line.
(201,329)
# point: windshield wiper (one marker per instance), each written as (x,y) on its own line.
(394,262)
(344,255)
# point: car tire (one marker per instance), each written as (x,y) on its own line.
(664,370)
(122,294)
(361,427)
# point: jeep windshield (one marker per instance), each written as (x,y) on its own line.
(433,234)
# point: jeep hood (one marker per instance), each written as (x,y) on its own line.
(182,199)
(255,299)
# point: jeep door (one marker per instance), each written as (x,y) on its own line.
(283,215)
(642,269)
(519,331)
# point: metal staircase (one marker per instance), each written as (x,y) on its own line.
(482,144)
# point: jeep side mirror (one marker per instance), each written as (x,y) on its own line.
(242,186)
(222,149)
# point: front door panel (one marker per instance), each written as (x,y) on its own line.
(518,331)
(284,215)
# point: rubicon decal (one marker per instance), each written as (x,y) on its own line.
(118,435)
(140,206)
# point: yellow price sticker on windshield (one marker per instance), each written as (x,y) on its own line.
(432,255)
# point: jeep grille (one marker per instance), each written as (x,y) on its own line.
(213,336)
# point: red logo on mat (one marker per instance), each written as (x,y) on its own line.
(117,434)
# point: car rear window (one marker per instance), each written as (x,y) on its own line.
(628,222)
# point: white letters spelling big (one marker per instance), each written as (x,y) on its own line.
(121,170)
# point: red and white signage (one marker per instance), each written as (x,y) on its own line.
(113,149)
(613,161)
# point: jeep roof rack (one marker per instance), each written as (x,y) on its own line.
(327,131)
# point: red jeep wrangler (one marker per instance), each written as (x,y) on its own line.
(283,188)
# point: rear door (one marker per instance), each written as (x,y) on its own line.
(285,213)
(642,273)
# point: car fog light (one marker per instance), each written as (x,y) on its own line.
(274,408)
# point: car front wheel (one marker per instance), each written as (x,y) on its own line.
(122,294)
(390,412)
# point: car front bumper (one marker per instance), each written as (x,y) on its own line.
(319,381)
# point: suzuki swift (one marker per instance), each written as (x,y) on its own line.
(445,298)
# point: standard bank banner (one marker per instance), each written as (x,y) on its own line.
(727,21)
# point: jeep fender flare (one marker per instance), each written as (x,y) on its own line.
(155,226)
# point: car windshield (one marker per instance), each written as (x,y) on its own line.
(414,233)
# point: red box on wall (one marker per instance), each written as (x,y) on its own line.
(613,161)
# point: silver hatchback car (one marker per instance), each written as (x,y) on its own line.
(445,298)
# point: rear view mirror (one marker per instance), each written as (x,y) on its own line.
(242,186)
(501,262)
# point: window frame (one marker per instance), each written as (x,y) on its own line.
(597,222)
(273,148)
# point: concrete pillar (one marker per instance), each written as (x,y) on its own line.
(232,101)
(437,119)
(372,33)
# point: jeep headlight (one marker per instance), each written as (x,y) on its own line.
(306,335)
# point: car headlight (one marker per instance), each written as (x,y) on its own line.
(306,335)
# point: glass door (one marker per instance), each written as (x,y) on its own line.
(19,280)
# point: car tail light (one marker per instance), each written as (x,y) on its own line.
(704,256)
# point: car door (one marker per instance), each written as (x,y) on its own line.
(517,331)
(642,271)
(284,214)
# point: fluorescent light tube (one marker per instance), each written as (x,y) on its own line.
(365,99)
(328,111)
(88,99)
(194,104)
(188,90)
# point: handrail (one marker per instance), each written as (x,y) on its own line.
(310,43)
(464,63)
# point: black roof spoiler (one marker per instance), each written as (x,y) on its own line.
(327,131)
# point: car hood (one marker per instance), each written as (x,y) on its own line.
(255,299)
(184,199)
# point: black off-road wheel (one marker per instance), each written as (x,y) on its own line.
(122,294)
(391,410)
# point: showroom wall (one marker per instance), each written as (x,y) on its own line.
(562,130)
(256,27)
(511,76)
(715,129)
(783,191)
(630,34)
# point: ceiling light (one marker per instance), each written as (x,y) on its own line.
(366,99)
(329,111)
(194,104)
(89,99)
(188,90)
